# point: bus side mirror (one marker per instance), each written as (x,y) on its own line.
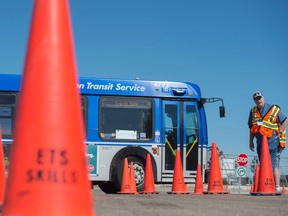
(212,100)
(222,111)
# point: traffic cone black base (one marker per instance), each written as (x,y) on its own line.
(266,193)
(149,192)
(220,192)
(178,192)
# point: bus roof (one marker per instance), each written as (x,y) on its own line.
(99,86)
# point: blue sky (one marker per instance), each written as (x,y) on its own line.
(229,48)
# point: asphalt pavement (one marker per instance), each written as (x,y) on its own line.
(237,202)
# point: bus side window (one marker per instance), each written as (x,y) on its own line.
(125,118)
(7,113)
(84,107)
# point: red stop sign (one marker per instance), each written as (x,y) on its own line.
(90,168)
(242,159)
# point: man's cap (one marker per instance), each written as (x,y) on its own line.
(257,94)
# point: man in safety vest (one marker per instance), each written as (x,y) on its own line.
(268,120)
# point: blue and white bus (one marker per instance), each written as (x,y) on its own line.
(129,119)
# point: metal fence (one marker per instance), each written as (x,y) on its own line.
(233,174)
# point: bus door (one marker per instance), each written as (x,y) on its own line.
(181,132)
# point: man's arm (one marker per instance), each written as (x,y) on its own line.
(251,143)
(282,127)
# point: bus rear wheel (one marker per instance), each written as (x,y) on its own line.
(139,172)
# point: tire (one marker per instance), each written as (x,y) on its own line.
(108,188)
(139,170)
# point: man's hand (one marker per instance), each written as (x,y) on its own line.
(279,135)
(280,148)
(251,146)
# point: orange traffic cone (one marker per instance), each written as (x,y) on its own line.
(48,164)
(283,190)
(256,179)
(132,179)
(149,186)
(2,171)
(199,188)
(126,179)
(266,185)
(251,188)
(178,186)
(215,183)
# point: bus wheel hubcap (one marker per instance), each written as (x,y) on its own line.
(139,173)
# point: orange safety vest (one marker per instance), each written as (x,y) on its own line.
(283,139)
(267,124)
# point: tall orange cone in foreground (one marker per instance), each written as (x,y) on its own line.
(126,179)
(2,171)
(199,188)
(178,185)
(149,185)
(48,164)
(215,183)
(266,185)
